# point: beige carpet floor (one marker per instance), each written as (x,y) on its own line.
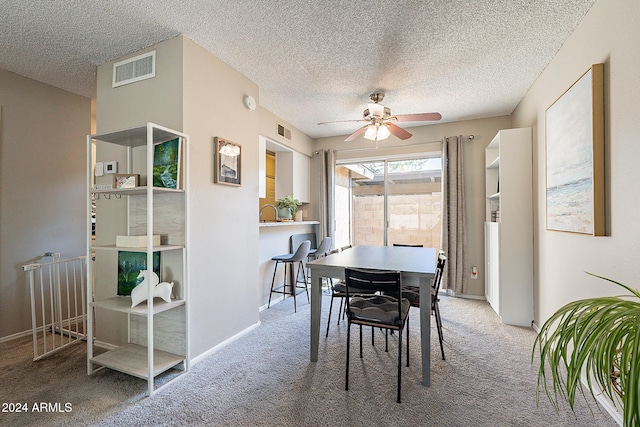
(265,379)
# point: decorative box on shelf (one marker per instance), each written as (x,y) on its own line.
(136,241)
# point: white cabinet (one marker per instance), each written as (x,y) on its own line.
(292,175)
(492,254)
(301,168)
(291,171)
(151,337)
(509,226)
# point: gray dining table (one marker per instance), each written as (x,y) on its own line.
(416,265)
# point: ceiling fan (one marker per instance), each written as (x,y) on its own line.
(381,123)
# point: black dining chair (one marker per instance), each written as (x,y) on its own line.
(338,290)
(412,293)
(378,311)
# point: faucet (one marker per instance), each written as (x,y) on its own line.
(271,206)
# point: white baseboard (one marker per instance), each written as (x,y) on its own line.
(224,343)
(457,295)
(15,336)
(104,345)
(603,400)
(274,301)
(28,332)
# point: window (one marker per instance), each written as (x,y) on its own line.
(389,201)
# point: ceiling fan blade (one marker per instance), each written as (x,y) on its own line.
(420,117)
(356,133)
(342,121)
(398,131)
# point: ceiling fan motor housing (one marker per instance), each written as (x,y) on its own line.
(386,114)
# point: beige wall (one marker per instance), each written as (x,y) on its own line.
(197,93)
(426,139)
(222,219)
(158,100)
(42,185)
(608,34)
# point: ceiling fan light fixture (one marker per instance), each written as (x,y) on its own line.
(371,133)
(383,132)
(377,132)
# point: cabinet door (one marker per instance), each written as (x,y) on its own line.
(492,275)
(301,166)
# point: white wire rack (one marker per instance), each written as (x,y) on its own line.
(58,303)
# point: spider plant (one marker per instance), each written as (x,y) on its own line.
(600,336)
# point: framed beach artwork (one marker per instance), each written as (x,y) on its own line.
(227,160)
(575,157)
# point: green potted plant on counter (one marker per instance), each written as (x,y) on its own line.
(599,337)
(287,207)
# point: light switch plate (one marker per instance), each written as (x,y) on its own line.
(99,169)
(110,167)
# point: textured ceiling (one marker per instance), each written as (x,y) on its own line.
(314,61)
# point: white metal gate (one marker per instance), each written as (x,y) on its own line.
(58,303)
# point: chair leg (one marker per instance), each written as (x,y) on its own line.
(293,289)
(436,313)
(340,312)
(329,320)
(304,276)
(346,377)
(360,341)
(407,326)
(399,364)
(272,281)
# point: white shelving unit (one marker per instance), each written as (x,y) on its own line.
(156,331)
(509,226)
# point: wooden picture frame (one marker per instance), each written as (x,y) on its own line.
(575,157)
(125,180)
(227,161)
(167,158)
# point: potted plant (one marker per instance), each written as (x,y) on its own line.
(287,207)
(597,336)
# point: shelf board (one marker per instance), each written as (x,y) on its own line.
(495,164)
(132,359)
(136,137)
(123,304)
(495,196)
(137,191)
(136,248)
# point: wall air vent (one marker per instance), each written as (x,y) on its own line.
(134,69)
(283,131)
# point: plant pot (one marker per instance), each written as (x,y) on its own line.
(297,216)
(284,213)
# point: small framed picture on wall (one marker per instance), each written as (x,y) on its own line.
(227,160)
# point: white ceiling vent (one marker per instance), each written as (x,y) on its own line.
(283,131)
(134,69)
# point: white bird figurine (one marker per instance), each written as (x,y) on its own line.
(160,290)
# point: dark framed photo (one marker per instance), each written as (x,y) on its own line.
(129,266)
(227,161)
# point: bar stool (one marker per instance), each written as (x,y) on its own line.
(323,248)
(290,260)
